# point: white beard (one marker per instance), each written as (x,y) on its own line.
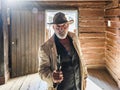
(62,37)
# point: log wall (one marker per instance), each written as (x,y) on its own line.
(112,52)
(92,34)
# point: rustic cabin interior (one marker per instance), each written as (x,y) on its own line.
(23,28)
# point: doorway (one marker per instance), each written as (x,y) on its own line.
(26,35)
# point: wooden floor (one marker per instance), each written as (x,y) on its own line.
(97,80)
(101,80)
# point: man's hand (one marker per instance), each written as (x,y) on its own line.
(57,76)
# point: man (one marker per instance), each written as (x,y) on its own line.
(61,63)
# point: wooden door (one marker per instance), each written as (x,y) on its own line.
(27,34)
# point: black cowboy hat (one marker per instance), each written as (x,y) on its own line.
(60,18)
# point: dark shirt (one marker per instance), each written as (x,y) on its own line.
(70,67)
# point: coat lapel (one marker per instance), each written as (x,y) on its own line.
(78,49)
(53,53)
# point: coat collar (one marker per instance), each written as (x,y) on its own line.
(70,34)
(52,42)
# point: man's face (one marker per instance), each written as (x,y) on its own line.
(61,30)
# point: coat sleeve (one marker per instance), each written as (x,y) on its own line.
(84,69)
(44,67)
(85,72)
(82,58)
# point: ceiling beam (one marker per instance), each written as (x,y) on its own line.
(66,0)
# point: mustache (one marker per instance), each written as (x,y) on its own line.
(61,35)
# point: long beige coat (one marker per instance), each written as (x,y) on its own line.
(47,61)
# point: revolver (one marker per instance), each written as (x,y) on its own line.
(58,69)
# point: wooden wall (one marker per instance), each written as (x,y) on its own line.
(4,71)
(112,56)
(27,33)
(92,33)
(1,48)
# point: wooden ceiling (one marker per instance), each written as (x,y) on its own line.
(63,3)
(68,0)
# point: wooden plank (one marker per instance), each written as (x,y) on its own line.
(112,31)
(92,35)
(114,75)
(71,0)
(18,41)
(91,23)
(113,12)
(36,47)
(112,43)
(26,83)
(30,42)
(26,41)
(13,42)
(4,70)
(8,85)
(102,75)
(91,18)
(43,26)
(93,62)
(92,40)
(112,55)
(111,18)
(114,66)
(94,51)
(94,56)
(91,12)
(63,4)
(89,45)
(89,48)
(114,52)
(115,24)
(22,26)
(40,30)
(33,40)
(113,49)
(111,36)
(17,85)
(91,29)
(1,47)
(114,4)
(39,34)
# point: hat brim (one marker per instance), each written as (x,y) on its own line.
(69,22)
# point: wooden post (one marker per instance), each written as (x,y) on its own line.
(4,72)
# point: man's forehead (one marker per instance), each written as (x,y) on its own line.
(61,24)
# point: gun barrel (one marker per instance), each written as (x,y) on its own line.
(58,63)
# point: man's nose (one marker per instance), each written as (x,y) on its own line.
(60,28)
